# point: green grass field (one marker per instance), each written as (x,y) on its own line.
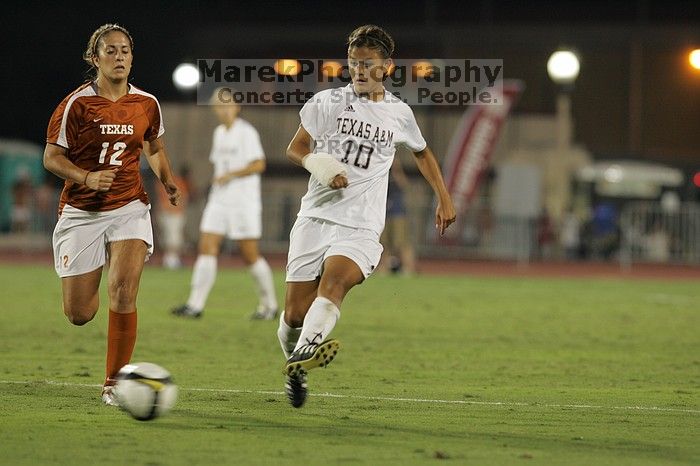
(460,370)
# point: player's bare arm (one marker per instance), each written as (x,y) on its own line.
(299,146)
(257,166)
(299,151)
(56,162)
(427,164)
(158,160)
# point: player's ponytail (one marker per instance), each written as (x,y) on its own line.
(373,37)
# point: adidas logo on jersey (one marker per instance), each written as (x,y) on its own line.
(349,108)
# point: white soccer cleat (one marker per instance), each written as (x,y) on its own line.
(108,396)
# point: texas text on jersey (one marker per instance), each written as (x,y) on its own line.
(99,135)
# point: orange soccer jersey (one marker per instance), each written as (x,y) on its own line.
(100,135)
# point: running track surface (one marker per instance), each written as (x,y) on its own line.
(550,269)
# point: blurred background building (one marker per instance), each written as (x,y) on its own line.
(604,164)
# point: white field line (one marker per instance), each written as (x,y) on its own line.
(394,399)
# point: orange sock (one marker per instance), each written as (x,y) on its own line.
(121,337)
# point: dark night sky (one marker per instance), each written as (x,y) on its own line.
(43,43)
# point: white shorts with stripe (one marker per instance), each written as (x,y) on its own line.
(233,222)
(80,238)
(312,240)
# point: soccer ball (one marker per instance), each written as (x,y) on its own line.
(145,390)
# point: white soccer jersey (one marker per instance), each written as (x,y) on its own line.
(363,135)
(232,149)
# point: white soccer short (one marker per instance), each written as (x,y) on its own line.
(233,222)
(312,240)
(80,238)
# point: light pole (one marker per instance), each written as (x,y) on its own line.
(563,67)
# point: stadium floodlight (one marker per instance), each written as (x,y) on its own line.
(694,59)
(422,69)
(563,67)
(332,68)
(287,67)
(613,174)
(186,76)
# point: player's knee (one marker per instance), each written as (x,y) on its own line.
(79,317)
(294,315)
(207,250)
(209,246)
(334,288)
(79,320)
(249,259)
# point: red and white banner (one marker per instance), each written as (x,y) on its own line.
(469,153)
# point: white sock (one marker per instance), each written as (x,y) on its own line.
(203,279)
(171,260)
(266,287)
(288,336)
(319,322)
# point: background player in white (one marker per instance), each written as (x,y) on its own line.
(234,209)
(346,140)
(171,220)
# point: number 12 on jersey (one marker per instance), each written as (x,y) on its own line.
(118,148)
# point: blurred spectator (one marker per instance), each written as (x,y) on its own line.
(545,235)
(399,254)
(635,237)
(605,232)
(21,203)
(570,235)
(658,244)
(171,220)
(45,201)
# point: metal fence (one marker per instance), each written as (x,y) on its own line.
(482,236)
(650,233)
(647,231)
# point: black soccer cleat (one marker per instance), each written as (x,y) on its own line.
(295,387)
(186,311)
(310,356)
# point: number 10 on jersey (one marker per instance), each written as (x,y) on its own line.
(359,150)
